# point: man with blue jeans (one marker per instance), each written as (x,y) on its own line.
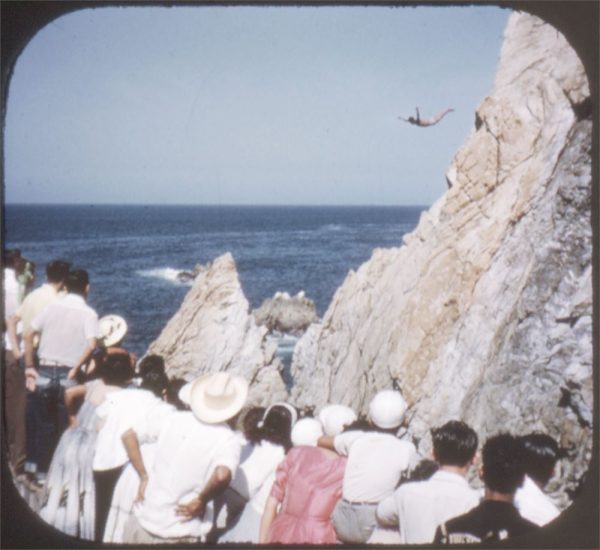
(67,329)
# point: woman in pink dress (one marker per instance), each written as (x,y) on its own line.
(308,484)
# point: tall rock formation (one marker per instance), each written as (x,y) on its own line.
(214,331)
(484,313)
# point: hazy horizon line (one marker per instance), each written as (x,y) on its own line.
(237,205)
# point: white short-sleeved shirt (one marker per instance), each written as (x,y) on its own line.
(123,410)
(11,293)
(256,468)
(11,299)
(418,507)
(66,326)
(375,464)
(533,504)
(187,453)
(35,302)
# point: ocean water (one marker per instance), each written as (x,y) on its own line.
(133,253)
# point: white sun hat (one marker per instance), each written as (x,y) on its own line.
(215,397)
(113,329)
(306,432)
(387,409)
(335,418)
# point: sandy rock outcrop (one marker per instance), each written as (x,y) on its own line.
(285,313)
(484,313)
(213,330)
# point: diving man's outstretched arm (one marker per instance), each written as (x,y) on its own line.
(426,122)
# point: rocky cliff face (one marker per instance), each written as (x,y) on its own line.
(214,330)
(484,312)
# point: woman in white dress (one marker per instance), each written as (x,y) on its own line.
(69,493)
(251,485)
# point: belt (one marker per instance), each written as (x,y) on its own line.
(53,364)
(352,503)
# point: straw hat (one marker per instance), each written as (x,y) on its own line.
(335,418)
(387,409)
(306,432)
(215,397)
(113,329)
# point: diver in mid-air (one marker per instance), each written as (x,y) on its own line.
(418,121)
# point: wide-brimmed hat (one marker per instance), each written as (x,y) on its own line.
(335,418)
(306,431)
(387,409)
(215,397)
(113,329)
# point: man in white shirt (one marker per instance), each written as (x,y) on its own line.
(541,452)
(14,380)
(20,322)
(377,460)
(417,508)
(196,455)
(68,331)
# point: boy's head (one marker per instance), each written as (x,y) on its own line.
(540,454)
(454,444)
(502,467)
(57,271)
(77,282)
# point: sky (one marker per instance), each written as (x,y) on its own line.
(246,105)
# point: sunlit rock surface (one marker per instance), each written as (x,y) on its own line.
(213,330)
(484,312)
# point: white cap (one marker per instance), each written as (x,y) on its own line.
(335,418)
(387,409)
(306,432)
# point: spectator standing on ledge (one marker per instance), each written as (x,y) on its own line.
(417,508)
(377,460)
(496,518)
(541,453)
(14,380)
(67,330)
(33,304)
(196,455)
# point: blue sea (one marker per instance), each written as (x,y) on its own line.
(133,253)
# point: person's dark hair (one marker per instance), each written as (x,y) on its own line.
(155,381)
(57,271)
(10,257)
(250,423)
(502,457)
(424,470)
(77,281)
(277,427)
(172,393)
(540,453)
(116,369)
(151,363)
(454,443)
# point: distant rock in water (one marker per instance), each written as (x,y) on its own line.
(286,314)
(485,313)
(189,276)
(213,330)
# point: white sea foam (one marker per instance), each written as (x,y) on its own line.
(333,227)
(167,273)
